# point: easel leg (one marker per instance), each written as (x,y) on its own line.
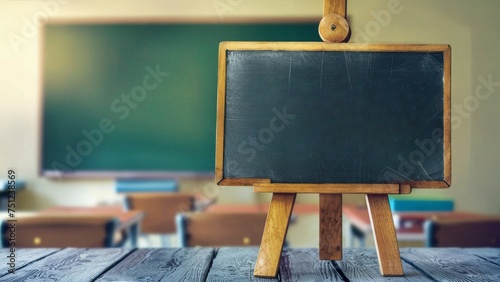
(330,226)
(389,259)
(274,235)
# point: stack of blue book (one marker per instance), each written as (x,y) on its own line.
(405,204)
(409,214)
(146,185)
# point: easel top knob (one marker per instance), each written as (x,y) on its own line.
(333,27)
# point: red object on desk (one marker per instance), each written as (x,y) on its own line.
(358,215)
(413,221)
(410,223)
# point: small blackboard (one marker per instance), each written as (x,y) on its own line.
(333,113)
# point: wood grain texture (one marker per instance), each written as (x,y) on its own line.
(221,113)
(186,264)
(235,264)
(334,6)
(447,116)
(334,13)
(451,264)
(361,265)
(24,256)
(428,184)
(303,265)
(274,235)
(490,254)
(330,226)
(321,46)
(333,28)
(384,234)
(327,188)
(242,181)
(404,189)
(69,265)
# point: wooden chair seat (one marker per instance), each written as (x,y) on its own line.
(220,229)
(159,210)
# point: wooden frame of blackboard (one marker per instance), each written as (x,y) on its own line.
(265,185)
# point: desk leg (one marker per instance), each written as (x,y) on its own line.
(353,232)
(350,235)
(274,235)
(330,226)
(134,234)
(384,233)
(358,234)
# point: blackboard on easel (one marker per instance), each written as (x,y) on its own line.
(316,113)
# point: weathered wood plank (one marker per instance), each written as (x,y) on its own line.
(451,264)
(186,264)
(343,188)
(304,265)
(490,254)
(23,257)
(235,264)
(330,226)
(361,265)
(70,265)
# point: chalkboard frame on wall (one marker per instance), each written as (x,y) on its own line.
(225,165)
(53,156)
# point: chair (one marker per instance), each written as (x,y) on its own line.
(220,229)
(159,210)
(63,231)
(466,233)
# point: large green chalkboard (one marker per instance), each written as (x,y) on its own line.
(137,98)
(334,113)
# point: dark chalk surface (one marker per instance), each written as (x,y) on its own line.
(334,117)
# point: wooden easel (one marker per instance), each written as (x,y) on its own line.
(333,28)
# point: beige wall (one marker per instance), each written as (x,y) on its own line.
(470,27)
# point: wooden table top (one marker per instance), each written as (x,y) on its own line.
(236,264)
(126,218)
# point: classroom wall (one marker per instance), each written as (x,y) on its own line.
(470,27)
